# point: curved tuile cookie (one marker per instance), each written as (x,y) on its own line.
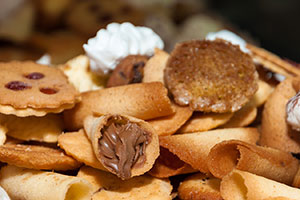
(296,181)
(107,186)
(36,157)
(125,146)
(273,62)
(275,132)
(154,68)
(204,121)
(244,185)
(167,164)
(78,73)
(87,17)
(200,186)
(194,148)
(31,184)
(78,145)
(264,161)
(262,94)
(28,88)
(243,117)
(210,76)
(170,124)
(129,70)
(3,131)
(43,129)
(140,99)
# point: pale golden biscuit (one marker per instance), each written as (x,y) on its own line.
(204,122)
(193,148)
(243,117)
(200,186)
(28,184)
(77,145)
(154,68)
(262,94)
(244,185)
(141,100)
(275,132)
(264,161)
(3,131)
(27,85)
(36,157)
(170,124)
(107,186)
(273,62)
(167,164)
(43,129)
(210,76)
(125,146)
(78,73)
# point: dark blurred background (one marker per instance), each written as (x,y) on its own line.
(32,28)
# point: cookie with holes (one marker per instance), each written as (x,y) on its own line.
(30,89)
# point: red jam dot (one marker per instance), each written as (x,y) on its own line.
(48,90)
(35,76)
(17,85)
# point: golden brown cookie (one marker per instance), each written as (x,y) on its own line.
(275,132)
(211,76)
(36,157)
(28,88)
(200,186)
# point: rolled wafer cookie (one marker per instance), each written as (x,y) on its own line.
(244,185)
(267,162)
(142,100)
(194,148)
(275,131)
(273,62)
(124,145)
(28,184)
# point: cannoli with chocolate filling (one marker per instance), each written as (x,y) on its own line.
(124,145)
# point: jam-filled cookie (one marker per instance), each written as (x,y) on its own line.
(30,89)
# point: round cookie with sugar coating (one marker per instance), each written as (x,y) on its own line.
(275,131)
(30,89)
(210,76)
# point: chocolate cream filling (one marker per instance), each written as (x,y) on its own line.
(122,146)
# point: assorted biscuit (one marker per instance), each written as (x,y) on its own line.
(203,115)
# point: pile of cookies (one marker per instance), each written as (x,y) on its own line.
(207,121)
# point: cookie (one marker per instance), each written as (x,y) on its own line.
(275,132)
(273,62)
(200,186)
(87,17)
(264,161)
(125,146)
(239,184)
(28,88)
(138,100)
(36,157)
(43,129)
(170,124)
(107,186)
(32,184)
(210,76)
(129,70)
(204,122)
(3,131)
(78,73)
(194,148)
(154,68)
